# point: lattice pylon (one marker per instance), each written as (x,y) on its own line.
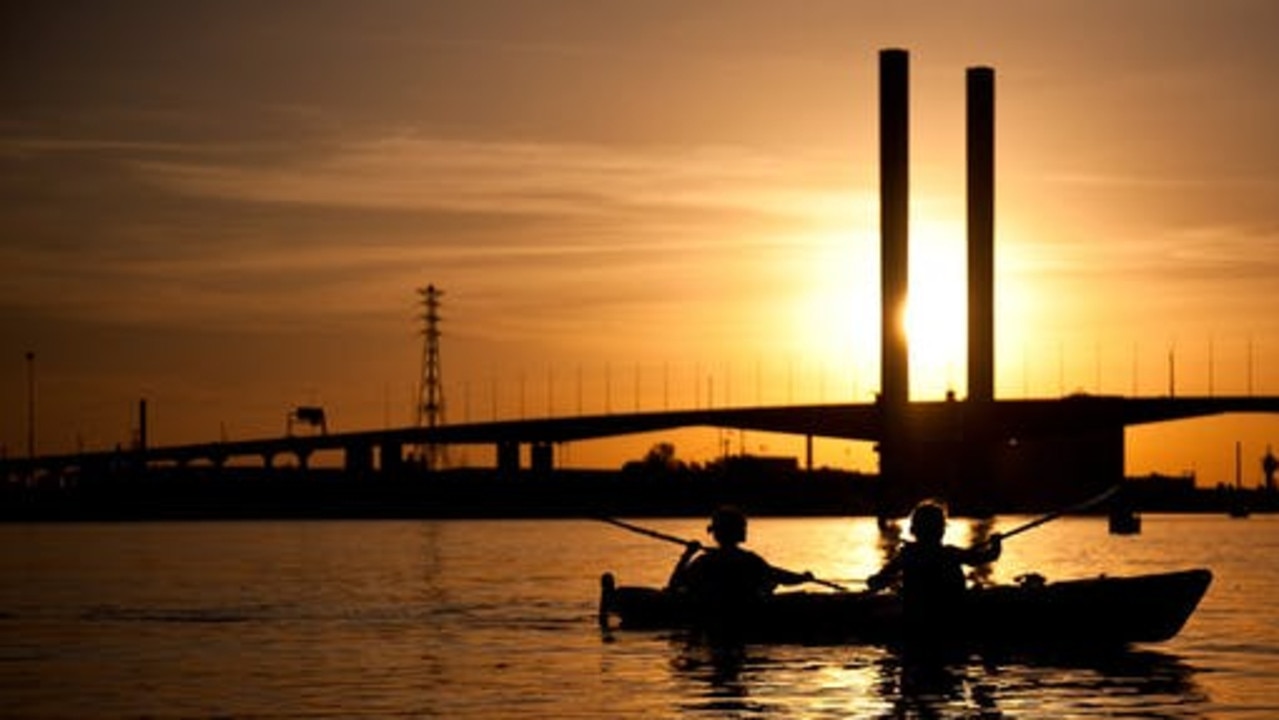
(430,399)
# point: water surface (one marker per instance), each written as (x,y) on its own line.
(487,619)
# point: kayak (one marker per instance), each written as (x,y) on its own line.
(1081,613)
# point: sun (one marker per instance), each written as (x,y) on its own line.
(936,315)
(834,319)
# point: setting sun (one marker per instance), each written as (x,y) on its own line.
(835,322)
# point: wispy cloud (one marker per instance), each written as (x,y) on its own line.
(260,236)
(410,173)
(1206,253)
(1163,181)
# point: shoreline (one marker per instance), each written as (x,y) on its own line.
(290,493)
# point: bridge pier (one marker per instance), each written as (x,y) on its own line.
(390,457)
(359,459)
(542,457)
(508,457)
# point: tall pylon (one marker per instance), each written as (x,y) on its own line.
(430,400)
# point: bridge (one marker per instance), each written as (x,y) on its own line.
(938,439)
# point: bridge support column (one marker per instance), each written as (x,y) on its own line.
(358,459)
(508,457)
(390,458)
(542,458)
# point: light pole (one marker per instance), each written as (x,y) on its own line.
(31,405)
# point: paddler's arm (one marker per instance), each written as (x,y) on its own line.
(691,548)
(788,577)
(986,552)
(887,575)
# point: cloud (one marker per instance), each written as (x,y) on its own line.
(257,236)
(1115,180)
(1208,254)
(538,179)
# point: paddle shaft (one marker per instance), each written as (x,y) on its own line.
(645,531)
(681,541)
(1090,502)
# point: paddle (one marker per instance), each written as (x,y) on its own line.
(644,531)
(681,541)
(1090,502)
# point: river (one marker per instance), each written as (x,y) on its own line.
(493,619)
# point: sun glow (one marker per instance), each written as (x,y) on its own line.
(834,318)
(936,314)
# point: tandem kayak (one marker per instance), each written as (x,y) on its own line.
(1089,613)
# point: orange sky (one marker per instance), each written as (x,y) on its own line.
(225,207)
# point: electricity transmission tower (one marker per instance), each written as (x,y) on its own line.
(430,399)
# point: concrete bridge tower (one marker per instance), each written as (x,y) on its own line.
(894,202)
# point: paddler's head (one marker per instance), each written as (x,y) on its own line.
(728,526)
(928,522)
